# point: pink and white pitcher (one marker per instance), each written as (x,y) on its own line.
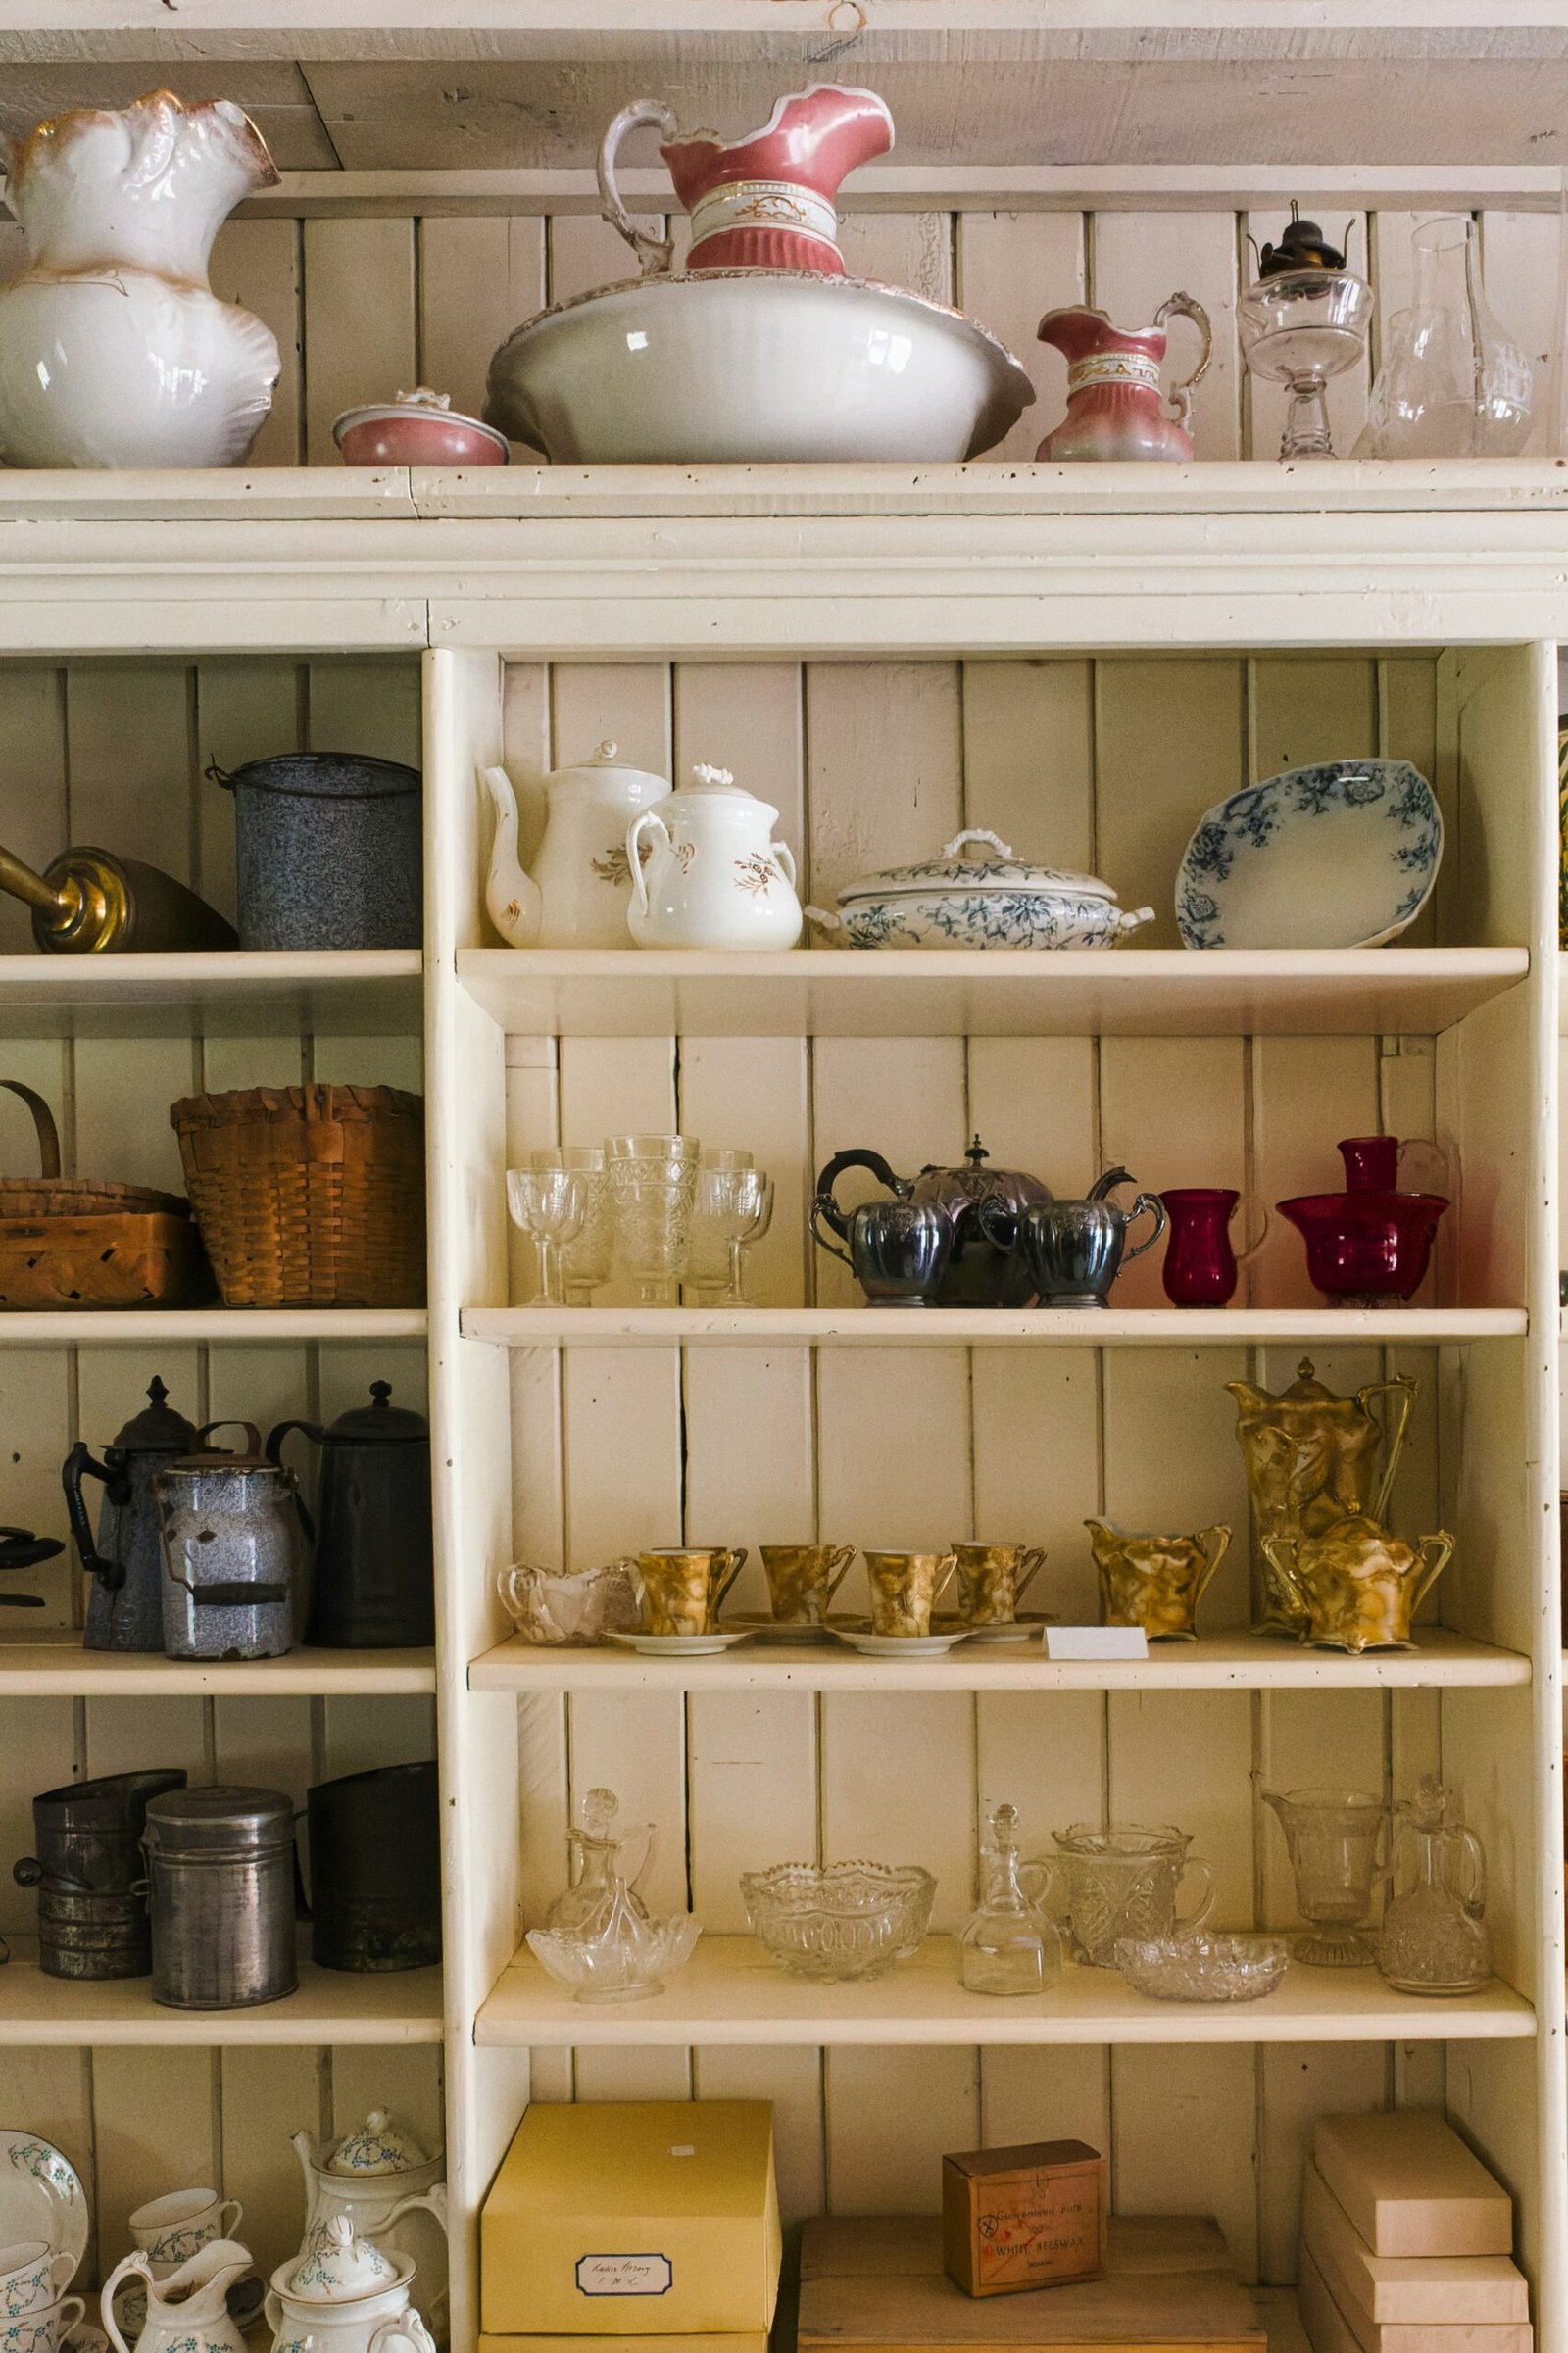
(764,201)
(1116,403)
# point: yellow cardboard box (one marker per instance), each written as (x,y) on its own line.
(654,2218)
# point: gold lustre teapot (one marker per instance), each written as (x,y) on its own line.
(1312,1459)
(1357,1586)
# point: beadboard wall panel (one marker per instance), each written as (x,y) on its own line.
(115,753)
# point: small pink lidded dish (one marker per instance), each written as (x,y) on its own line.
(418,428)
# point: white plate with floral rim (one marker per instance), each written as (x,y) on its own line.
(679,1646)
(1344,855)
(41,2195)
(858,1633)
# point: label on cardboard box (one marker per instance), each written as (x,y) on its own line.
(625,2274)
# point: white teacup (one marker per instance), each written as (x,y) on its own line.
(44,2331)
(31,2276)
(171,2230)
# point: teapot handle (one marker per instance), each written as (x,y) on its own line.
(635,858)
(826,1206)
(80,1462)
(1400,1391)
(133,2265)
(784,858)
(1151,1203)
(433,2201)
(656,254)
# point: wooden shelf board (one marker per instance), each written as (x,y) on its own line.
(358,992)
(262,1326)
(330,2006)
(1219,1662)
(52,1664)
(978,1327)
(731,1992)
(848,993)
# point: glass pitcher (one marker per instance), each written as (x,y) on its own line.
(1334,1839)
(1122,1880)
(1434,1930)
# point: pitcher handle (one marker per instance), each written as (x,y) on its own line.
(1442,1545)
(432,2201)
(133,2265)
(634,835)
(1030,1564)
(1180,395)
(1474,1897)
(1250,1203)
(1185,1923)
(1213,1559)
(1396,1420)
(784,859)
(655,254)
(234,2219)
(1156,1208)
(839,1563)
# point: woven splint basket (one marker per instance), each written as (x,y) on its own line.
(86,1241)
(308,1197)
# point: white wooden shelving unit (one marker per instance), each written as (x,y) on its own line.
(1081,659)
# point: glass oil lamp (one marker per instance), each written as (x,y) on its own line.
(1304,320)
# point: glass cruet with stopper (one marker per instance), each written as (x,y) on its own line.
(1434,1928)
(1010,1946)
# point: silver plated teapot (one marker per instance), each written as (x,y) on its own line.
(977,1271)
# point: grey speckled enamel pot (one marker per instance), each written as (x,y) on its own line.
(327,846)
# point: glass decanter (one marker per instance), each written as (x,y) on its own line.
(1434,1930)
(1010,1946)
(600,1940)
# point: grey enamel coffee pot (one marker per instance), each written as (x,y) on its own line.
(126,1607)
(1074,1251)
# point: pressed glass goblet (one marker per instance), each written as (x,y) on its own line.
(734,1209)
(585,1261)
(549,1203)
(653,1181)
(707,1275)
(749,1215)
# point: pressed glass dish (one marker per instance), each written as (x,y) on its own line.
(838,1920)
(1202,1969)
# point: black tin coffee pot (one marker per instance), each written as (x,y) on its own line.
(374,1571)
(975,1272)
(126,1607)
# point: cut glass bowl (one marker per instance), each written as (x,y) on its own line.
(838,1920)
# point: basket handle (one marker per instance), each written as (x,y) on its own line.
(43,1121)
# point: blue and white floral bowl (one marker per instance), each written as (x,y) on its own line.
(1340,855)
(958,902)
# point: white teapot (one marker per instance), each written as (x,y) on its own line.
(714,876)
(380,2180)
(580,887)
(345,2296)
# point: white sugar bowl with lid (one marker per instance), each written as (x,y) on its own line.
(345,2295)
(714,876)
(955,900)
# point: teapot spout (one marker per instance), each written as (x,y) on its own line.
(512,896)
(313,2159)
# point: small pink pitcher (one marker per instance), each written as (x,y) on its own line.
(1201,1267)
(1117,407)
(764,202)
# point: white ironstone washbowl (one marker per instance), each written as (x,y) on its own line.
(753,367)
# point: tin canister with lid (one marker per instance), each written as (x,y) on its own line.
(220,1874)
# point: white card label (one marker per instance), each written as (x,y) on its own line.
(1095,1641)
(624,2275)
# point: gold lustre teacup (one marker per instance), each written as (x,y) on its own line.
(905,1589)
(993,1580)
(682,1586)
(802,1579)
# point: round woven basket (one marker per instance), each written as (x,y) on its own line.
(308,1197)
